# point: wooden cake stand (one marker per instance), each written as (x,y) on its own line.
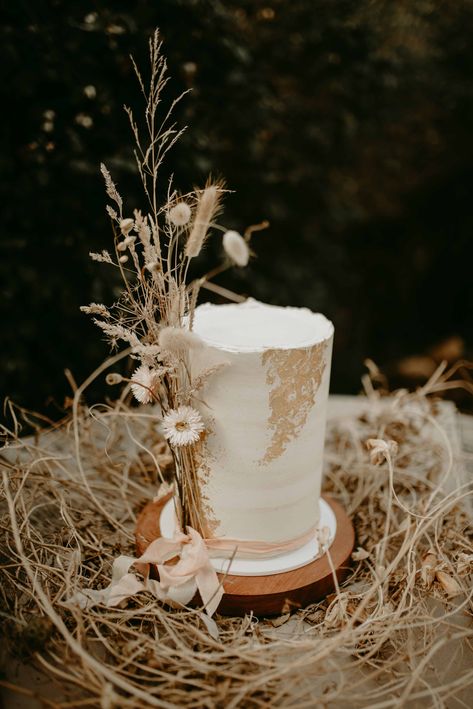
(276,593)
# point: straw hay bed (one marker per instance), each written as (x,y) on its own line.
(398,633)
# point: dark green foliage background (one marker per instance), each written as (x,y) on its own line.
(347,124)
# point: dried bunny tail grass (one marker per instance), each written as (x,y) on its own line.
(208,205)
(381,640)
(179,214)
(236,248)
(178,340)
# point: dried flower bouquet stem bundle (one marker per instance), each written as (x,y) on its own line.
(154,316)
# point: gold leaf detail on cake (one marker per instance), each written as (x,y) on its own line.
(202,456)
(293,377)
(211,522)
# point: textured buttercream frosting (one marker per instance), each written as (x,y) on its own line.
(261,459)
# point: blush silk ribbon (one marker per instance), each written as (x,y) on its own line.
(255,549)
(177,583)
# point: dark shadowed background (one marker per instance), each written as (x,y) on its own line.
(347,124)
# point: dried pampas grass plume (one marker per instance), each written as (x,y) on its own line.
(176,340)
(236,248)
(207,208)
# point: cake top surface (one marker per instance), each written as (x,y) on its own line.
(254,327)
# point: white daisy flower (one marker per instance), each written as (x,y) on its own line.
(236,247)
(144,383)
(179,214)
(182,426)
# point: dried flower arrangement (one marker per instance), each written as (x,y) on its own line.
(69,504)
(154,316)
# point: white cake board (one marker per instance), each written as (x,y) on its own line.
(264,567)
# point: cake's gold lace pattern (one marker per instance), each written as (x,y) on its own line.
(202,458)
(293,377)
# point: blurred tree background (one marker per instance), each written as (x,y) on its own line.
(348,125)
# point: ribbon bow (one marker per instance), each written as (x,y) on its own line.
(177,583)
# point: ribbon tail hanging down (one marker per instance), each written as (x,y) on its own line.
(177,583)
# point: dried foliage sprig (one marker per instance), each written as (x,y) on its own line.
(153,250)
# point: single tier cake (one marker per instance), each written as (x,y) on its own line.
(260,465)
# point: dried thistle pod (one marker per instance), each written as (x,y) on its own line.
(113,378)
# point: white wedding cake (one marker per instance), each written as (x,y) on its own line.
(260,463)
